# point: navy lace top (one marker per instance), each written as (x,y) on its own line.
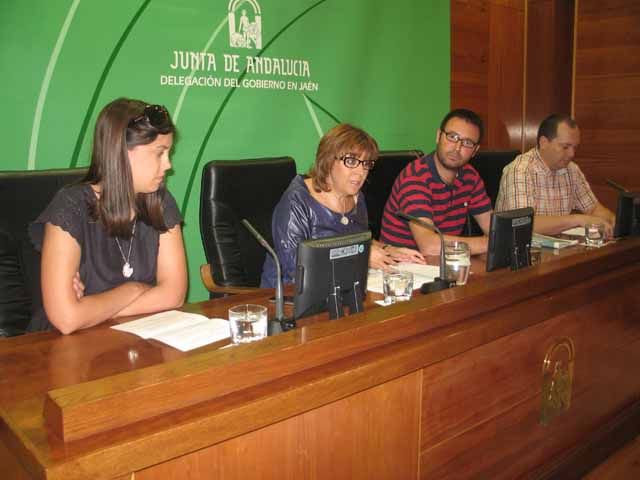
(101,261)
(298,216)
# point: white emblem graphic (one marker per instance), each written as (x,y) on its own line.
(243,33)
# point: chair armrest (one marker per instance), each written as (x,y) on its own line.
(210,284)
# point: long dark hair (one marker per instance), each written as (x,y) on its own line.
(122,125)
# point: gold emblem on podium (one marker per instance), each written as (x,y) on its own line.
(557,379)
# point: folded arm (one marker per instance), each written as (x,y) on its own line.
(67,310)
(171,278)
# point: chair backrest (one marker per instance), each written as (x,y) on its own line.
(233,190)
(23,196)
(377,188)
(489,164)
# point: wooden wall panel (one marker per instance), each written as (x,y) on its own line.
(326,443)
(548,62)
(470,55)
(487,42)
(607,93)
(506,63)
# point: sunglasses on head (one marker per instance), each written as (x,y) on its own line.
(156,115)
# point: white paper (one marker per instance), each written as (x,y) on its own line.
(421,274)
(195,336)
(181,330)
(576,231)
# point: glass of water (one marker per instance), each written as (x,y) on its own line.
(248,323)
(397,286)
(457,259)
(594,234)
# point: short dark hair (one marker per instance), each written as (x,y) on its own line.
(467,115)
(549,126)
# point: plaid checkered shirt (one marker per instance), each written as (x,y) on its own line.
(529,182)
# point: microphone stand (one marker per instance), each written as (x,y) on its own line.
(280,323)
(439,283)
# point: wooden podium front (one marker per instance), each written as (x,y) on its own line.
(529,373)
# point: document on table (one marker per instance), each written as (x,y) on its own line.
(576,232)
(181,330)
(551,242)
(421,274)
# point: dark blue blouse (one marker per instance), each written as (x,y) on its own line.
(298,216)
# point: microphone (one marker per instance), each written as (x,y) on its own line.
(617,186)
(439,283)
(280,324)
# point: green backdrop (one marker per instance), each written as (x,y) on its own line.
(381,65)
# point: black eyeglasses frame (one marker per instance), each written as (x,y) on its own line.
(366,164)
(455,137)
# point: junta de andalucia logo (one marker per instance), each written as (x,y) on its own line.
(245,30)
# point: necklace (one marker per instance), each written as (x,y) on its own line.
(127,269)
(343,219)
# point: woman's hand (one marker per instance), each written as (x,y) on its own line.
(401,254)
(379,258)
(78,286)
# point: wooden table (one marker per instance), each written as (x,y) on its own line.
(449,385)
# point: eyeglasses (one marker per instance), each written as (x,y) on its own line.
(351,161)
(453,137)
(156,115)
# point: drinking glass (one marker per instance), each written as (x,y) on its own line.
(457,259)
(248,323)
(594,234)
(397,286)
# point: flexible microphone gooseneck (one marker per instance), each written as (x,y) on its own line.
(617,186)
(439,283)
(281,324)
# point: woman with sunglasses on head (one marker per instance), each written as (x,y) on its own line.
(112,244)
(328,202)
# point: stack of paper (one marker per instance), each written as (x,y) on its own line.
(421,274)
(181,330)
(551,242)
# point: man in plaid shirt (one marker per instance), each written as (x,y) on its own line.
(547,179)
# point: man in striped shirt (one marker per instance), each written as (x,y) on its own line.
(547,179)
(442,188)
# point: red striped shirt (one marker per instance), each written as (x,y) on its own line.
(420,191)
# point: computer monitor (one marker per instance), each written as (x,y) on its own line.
(627,213)
(510,239)
(331,272)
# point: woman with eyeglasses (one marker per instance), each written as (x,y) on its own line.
(328,202)
(112,243)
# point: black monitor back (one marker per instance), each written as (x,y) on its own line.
(510,238)
(627,215)
(323,264)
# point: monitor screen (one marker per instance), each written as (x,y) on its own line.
(510,239)
(627,215)
(331,272)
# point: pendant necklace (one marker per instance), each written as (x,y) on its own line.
(344,220)
(127,269)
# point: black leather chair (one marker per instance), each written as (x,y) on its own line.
(489,164)
(233,190)
(377,188)
(23,196)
